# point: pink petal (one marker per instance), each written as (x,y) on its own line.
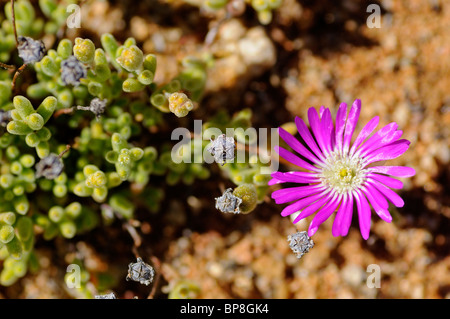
(388,181)
(293,177)
(295,193)
(312,208)
(294,159)
(341,116)
(314,122)
(327,130)
(398,171)
(384,131)
(392,196)
(293,190)
(350,125)
(324,214)
(388,152)
(307,137)
(363,214)
(295,207)
(347,218)
(378,202)
(297,146)
(388,139)
(365,132)
(338,220)
(275,181)
(321,111)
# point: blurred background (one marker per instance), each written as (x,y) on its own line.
(312,53)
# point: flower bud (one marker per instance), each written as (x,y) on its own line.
(180,104)
(131,58)
(246,192)
(96,180)
(84,50)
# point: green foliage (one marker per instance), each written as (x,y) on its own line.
(120,159)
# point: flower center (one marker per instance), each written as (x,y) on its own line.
(342,173)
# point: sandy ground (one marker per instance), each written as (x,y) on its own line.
(312,54)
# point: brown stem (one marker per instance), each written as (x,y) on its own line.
(137,241)
(63,111)
(19,70)
(135,252)
(157,266)
(7,66)
(14,21)
(64,152)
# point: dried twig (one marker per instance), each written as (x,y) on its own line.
(19,70)
(6,66)
(14,22)
(64,111)
(64,152)
(157,266)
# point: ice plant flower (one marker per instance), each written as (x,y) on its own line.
(340,174)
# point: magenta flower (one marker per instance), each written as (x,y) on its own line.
(341,175)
